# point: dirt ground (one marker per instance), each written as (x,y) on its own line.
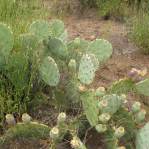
(126,54)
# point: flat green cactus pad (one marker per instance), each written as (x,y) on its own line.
(114,103)
(57,48)
(143,87)
(40,29)
(142,139)
(6,42)
(57,28)
(90,107)
(101,48)
(86,72)
(28,41)
(49,71)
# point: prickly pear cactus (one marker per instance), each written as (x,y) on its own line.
(6,43)
(57,48)
(90,107)
(49,71)
(101,48)
(40,29)
(57,29)
(28,41)
(114,103)
(86,72)
(142,139)
(143,87)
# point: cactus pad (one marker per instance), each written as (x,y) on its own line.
(57,48)
(86,70)
(57,28)
(101,48)
(40,29)
(90,107)
(49,71)
(114,103)
(142,139)
(143,87)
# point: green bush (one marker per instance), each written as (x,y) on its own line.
(139,32)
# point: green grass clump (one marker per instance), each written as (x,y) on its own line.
(140,32)
(18,13)
(22,131)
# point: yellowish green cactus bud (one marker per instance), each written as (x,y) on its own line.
(124,98)
(102,104)
(76,143)
(82,88)
(54,133)
(100,128)
(136,107)
(26,118)
(100,91)
(119,132)
(61,117)
(10,119)
(140,116)
(104,118)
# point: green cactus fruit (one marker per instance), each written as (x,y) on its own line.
(28,41)
(114,103)
(101,48)
(140,116)
(90,107)
(136,107)
(142,138)
(72,66)
(57,48)
(41,29)
(86,72)
(22,131)
(100,128)
(49,71)
(54,133)
(77,144)
(143,87)
(100,91)
(6,43)
(57,28)
(104,117)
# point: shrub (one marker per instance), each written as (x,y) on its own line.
(140,32)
